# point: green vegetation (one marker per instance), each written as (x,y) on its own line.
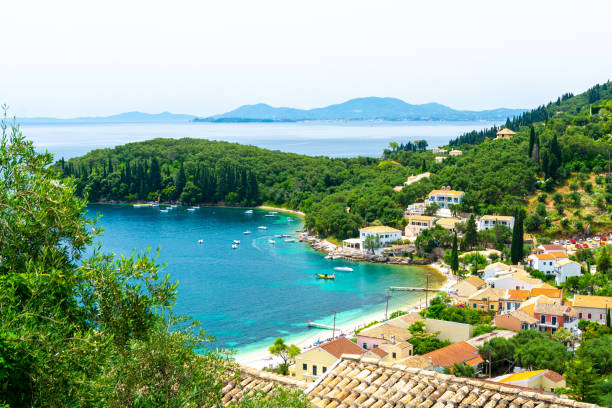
(286,352)
(95,332)
(439,309)
(423,342)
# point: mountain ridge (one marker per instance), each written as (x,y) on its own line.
(363,108)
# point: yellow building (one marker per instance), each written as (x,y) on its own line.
(545,380)
(505,133)
(311,364)
(462,290)
(487,299)
(417,223)
(445,197)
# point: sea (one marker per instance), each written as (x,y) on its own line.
(248,296)
(328,138)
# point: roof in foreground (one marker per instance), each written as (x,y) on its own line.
(366,382)
(251,380)
(379,229)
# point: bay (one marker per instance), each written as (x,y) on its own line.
(248,296)
(334,139)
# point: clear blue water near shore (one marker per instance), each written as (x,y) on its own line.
(248,296)
(333,138)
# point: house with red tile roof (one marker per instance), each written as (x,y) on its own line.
(460,353)
(313,363)
(545,262)
(545,380)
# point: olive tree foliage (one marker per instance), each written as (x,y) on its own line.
(95,332)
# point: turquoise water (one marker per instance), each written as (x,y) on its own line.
(259,291)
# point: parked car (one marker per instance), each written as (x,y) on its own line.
(604,238)
(589,239)
(578,246)
(585,245)
(580,240)
(596,238)
(567,242)
(573,241)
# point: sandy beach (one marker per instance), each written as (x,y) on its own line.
(261,358)
(280,209)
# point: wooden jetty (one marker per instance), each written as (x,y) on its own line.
(409,288)
(319,325)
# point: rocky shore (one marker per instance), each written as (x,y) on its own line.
(337,252)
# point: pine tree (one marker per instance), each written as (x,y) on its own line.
(181,180)
(454,256)
(471,237)
(155,175)
(516,248)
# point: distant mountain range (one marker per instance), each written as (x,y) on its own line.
(127,117)
(371,108)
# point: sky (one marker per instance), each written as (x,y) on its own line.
(90,58)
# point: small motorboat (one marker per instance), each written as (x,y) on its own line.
(326,276)
(290,240)
(343,269)
(248,212)
(286,236)
(191,209)
(234,246)
(271,241)
(269,215)
(247,232)
(289,219)
(200,241)
(278,236)
(262,227)
(163,211)
(237,242)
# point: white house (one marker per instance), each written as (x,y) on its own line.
(386,235)
(496,269)
(455,152)
(545,262)
(564,268)
(445,197)
(489,221)
(549,248)
(518,280)
(592,308)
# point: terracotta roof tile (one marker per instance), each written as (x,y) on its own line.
(455,353)
(340,346)
(551,293)
(250,379)
(553,376)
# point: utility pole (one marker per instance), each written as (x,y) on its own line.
(334,329)
(490,358)
(426,291)
(387,308)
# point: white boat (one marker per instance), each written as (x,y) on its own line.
(286,236)
(343,268)
(271,241)
(200,241)
(262,227)
(191,209)
(290,240)
(247,232)
(278,236)
(269,215)
(141,205)
(234,246)
(289,219)
(236,242)
(248,212)
(163,211)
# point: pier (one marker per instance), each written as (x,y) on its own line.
(409,288)
(319,325)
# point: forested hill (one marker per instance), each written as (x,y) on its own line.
(341,195)
(568,104)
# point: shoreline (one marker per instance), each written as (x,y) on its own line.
(280,209)
(260,357)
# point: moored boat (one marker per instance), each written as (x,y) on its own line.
(271,241)
(343,268)
(262,227)
(326,276)
(248,212)
(234,246)
(247,232)
(237,242)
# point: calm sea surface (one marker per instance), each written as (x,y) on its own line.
(334,139)
(250,295)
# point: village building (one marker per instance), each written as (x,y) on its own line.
(440,159)
(448,223)
(445,197)
(465,288)
(496,269)
(459,353)
(487,299)
(545,262)
(592,308)
(417,223)
(489,221)
(479,341)
(565,268)
(384,233)
(439,150)
(544,380)
(313,363)
(520,280)
(455,152)
(552,317)
(406,320)
(549,248)
(375,336)
(396,352)
(517,320)
(513,299)
(505,133)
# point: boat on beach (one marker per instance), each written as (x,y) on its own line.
(326,276)
(343,268)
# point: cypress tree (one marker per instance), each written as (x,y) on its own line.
(516,248)
(471,237)
(181,180)
(454,256)
(155,175)
(531,140)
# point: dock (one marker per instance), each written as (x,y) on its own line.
(409,288)
(319,325)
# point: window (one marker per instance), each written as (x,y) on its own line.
(475,305)
(324,369)
(305,367)
(375,346)
(493,307)
(524,326)
(517,305)
(580,315)
(314,370)
(365,346)
(508,306)
(553,320)
(589,316)
(394,355)
(543,319)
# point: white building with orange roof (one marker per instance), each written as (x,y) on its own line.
(520,280)
(445,197)
(548,248)
(545,262)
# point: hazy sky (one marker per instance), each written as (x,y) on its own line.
(75,58)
